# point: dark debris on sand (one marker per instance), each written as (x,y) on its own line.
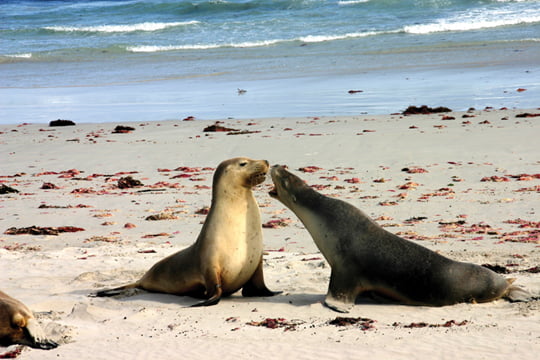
(38,230)
(363,323)
(447,324)
(128,182)
(61,122)
(275,323)
(527,115)
(219,128)
(121,129)
(4,189)
(425,110)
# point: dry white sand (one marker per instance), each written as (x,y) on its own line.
(361,160)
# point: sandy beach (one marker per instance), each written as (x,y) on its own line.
(465,184)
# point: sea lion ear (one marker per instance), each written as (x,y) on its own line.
(293,197)
(18,321)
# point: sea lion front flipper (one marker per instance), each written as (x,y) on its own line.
(336,305)
(212,301)
(35,337)
(44,344)
(213,288)
(340,297)
(255,285)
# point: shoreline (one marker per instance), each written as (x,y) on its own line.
(175,160)
(284,94)
(205,122)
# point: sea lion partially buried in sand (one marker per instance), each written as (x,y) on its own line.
(18,325)
(365,258)
(227,255)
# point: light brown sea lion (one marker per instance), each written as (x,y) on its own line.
(365,258)
(18,325)
(227,255)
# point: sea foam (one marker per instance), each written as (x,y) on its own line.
(323,38)
(157,48)
(473,22)
(352,2)
(252,44)
(20,56)
(146,26)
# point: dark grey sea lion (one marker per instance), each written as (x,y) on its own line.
(365,258)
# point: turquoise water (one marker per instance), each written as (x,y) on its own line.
(163,59)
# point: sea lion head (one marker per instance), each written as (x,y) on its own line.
(11,328)
(22,329)
(288,188)
(243,171)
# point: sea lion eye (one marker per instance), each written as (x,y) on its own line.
(244,163)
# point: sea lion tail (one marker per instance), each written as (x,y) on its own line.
(115,291)
(515,293)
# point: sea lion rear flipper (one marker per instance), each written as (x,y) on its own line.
(255,285)
(515,293)
(114,291)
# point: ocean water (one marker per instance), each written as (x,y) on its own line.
(144,60)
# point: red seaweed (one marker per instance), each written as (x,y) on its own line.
(275,323)
(12,354)
(447,324)
(309,169)
(363,323)
(495,178)
(414,170)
